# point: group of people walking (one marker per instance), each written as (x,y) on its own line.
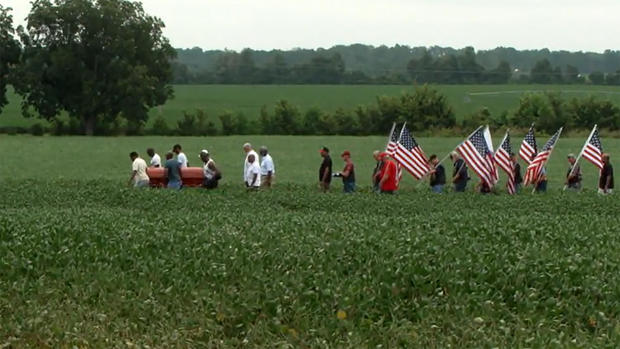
(175,161)
(259,172)
(386,174)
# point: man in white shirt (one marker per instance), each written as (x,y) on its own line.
(247,148)
(138,171)
(267,168)
(155,159)
(252,174)
(181,158)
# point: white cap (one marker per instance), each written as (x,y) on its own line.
(204,151)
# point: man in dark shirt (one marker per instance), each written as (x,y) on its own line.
(606,180)
(459,174)
(325,171)
(517,172)
(437,175)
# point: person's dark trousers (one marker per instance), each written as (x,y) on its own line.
(460,187)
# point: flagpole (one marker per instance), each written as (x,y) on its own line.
(390,135)
(445,157)
(400,136)
(549,157)
(572,169)
(448,155)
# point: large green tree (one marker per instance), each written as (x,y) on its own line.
(9,51)
(95,59)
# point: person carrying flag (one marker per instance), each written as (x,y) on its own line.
(388,177)
(517,172)
(437,175)
(460,176)
(573,175)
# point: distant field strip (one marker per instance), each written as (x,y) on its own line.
(539,91)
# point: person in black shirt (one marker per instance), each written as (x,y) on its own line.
(437,175)
(517,172)
(459,174)
(325,171)
(606,180)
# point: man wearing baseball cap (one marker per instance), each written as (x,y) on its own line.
(348,173)
(325,171)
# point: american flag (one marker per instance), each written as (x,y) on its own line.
(474,151)
(535,167)
(391,147)
(393,141)
(490,156)
(502,159)
(410,156)
(528,147)
(593,150)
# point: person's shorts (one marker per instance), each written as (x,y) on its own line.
(349,187)
(460,187)
(142,184)
(541,187)
(263,180)
(174,185)
(210,183)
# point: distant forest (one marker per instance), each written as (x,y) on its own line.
(363,64)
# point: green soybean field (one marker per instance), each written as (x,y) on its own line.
(87,262)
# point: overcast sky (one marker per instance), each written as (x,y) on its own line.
(574,25)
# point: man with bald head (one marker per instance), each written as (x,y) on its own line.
(247,148)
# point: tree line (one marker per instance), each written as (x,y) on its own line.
(425,110)
(361,64)
(106,63)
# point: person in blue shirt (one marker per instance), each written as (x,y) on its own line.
(173,167)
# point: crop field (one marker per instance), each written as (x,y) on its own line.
(87,262)
(248,99)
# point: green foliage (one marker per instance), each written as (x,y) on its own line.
(37,130)
(196,124)
(160,126)
(94,60)
(597,78)
(9,51)
(386,65)
(112,266)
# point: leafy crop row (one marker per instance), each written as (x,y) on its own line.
(89,264)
